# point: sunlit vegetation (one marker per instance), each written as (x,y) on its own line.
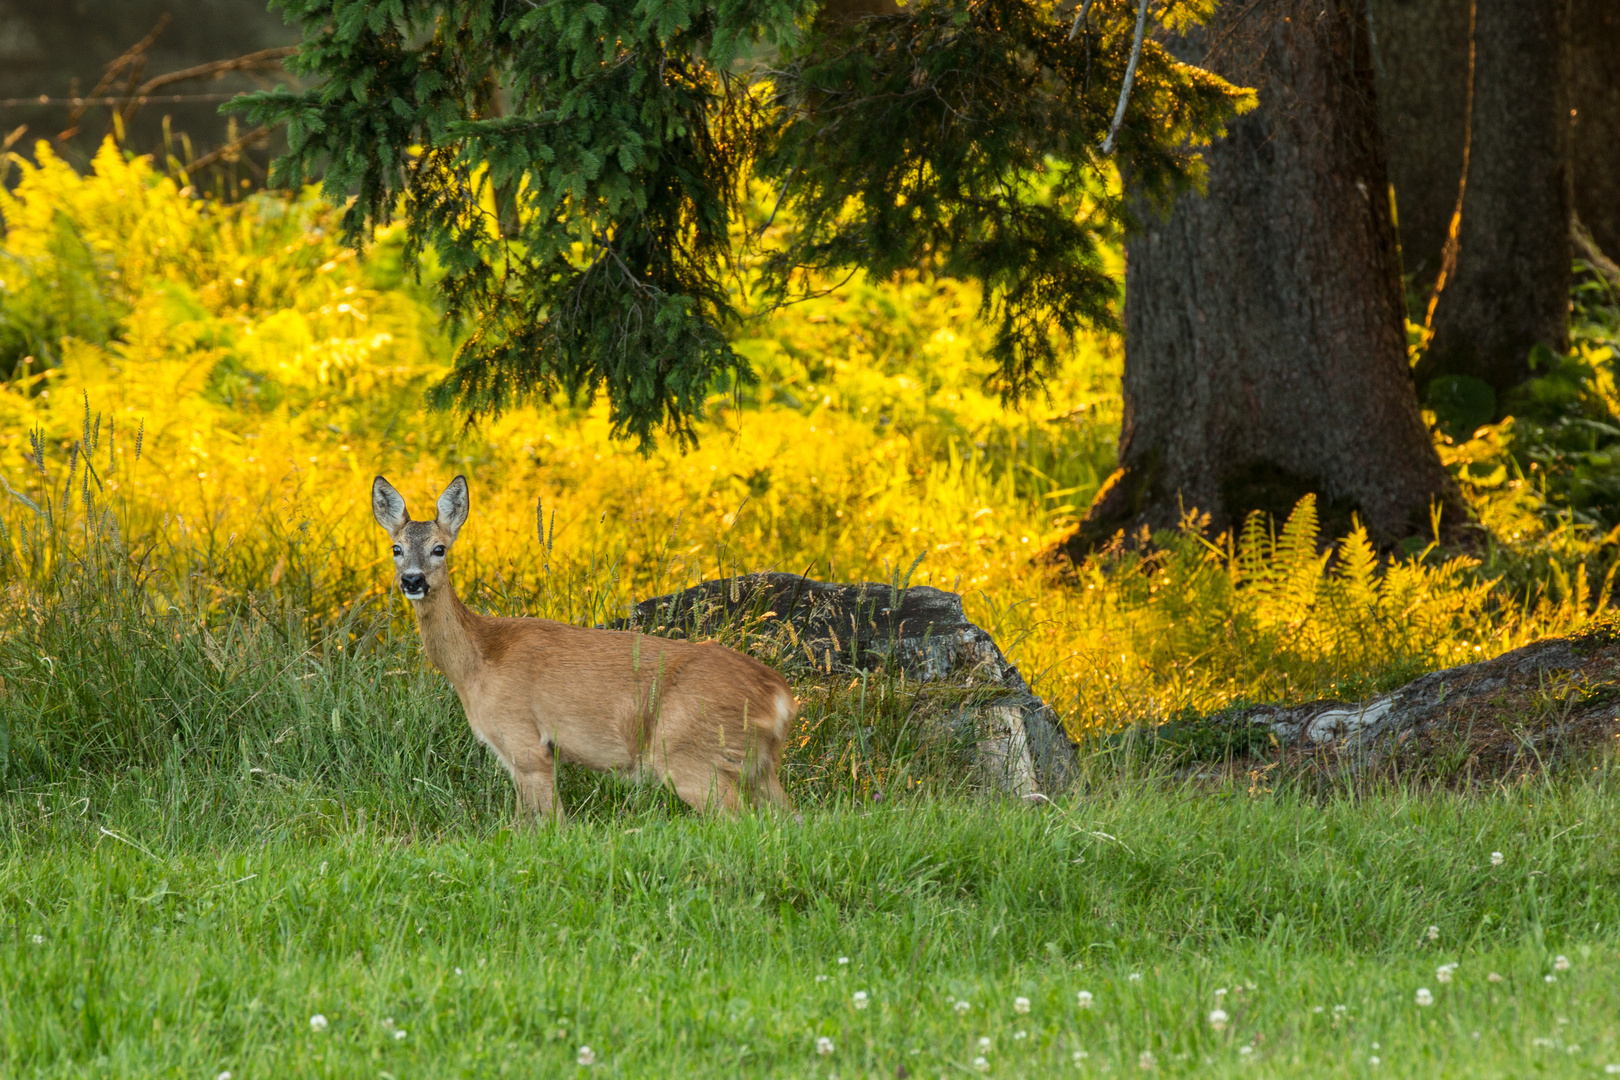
(268,372)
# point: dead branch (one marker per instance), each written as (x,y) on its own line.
(1130,75)
(229,151)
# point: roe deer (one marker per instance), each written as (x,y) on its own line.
(702,717)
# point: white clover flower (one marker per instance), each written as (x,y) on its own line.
(1550,978)
(843,960)
(1612,1069)
(1561,963)
(859,1000)
(1245,1049)
(1373,1061)
(1434,933)
(1493,977)
(1083,999)
(317,1022)
(1423,997)
(1021,1005)
(1218,1019)
(824,1045)
(821,978)
(1081,1055)
(587,1056)
(1220,991)
(458,971)
(37,939)
(399,1033)
(226,1075)
(1020,1034)
(1443,972)
(982,1064)
(962,1007)
(1144,1060)
(1135,976)
(1497,858)
(1341,1009)
(984,1042)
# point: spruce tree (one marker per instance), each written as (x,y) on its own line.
(577,168)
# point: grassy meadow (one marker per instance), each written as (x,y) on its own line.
(236,799)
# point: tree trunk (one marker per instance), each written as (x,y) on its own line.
(1420,59)
(1265,354)
(1505,287)
(1595,97)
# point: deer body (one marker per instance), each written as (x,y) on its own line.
(710,721)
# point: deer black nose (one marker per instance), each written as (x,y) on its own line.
(414,586)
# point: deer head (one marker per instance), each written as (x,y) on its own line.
(420,547)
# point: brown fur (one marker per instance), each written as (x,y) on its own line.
(710,721)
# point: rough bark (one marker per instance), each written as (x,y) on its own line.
(1017,743)
(1505,288)
(1595,97)
(1265,353)
(1542,708)
(1420,59)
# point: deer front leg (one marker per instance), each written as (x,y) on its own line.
(534,773)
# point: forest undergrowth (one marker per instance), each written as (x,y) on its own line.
(245,831)
(228,378)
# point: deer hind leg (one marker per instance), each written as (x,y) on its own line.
(765,789)
(764,761)
(704,780)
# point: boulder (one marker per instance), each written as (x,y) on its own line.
(1019,745)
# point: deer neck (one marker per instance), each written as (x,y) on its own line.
(445,623)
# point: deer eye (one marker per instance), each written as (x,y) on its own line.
(397,551)
(438,550)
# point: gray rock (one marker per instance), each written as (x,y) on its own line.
(1019,745)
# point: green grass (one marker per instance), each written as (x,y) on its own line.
(192,921)
(222,815)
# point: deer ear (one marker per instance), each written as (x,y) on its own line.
(453,505)
(388,505)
